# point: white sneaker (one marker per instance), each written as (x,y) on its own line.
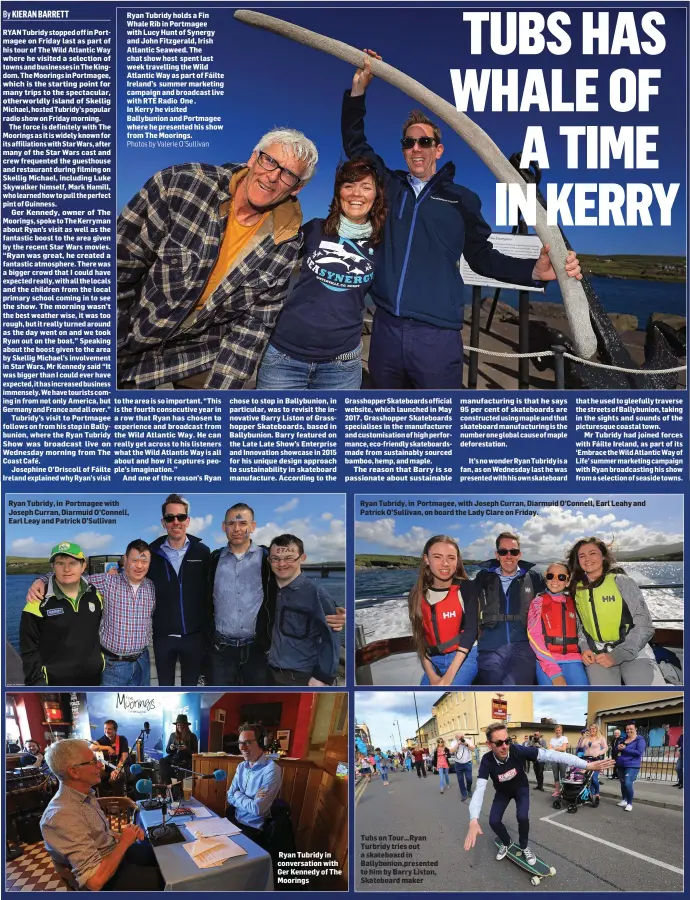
(628,807)
(530,858)
(502,850)
(622,803)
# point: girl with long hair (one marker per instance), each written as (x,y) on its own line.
(443,614)
(317,341)
(552,631)
(615,626)
(441,754)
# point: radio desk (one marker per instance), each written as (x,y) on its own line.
(250,872)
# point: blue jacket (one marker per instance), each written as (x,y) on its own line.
(523,588)
(631,757)
(417,276)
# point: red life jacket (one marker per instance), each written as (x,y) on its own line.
(559,622)
(443,622)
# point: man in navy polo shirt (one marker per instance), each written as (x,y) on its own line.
(504,764)
(418,291)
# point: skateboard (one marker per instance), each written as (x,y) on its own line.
(538,871)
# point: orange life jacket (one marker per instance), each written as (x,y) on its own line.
(443,622)
(559,622)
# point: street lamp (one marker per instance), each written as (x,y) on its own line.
(397,722)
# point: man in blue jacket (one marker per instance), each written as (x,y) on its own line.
(418,291)
(304,650)
(505,588)
(179,571)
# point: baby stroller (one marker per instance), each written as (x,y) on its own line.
(576,790)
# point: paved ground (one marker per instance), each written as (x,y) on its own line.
(604,849)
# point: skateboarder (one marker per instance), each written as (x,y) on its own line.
(505,765)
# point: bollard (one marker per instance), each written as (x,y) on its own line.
(559,365)
(474,337)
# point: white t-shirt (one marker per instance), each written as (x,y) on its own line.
(559,743)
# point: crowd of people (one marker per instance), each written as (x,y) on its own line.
(583,622)
(623,754)
(201,305)
(243,614)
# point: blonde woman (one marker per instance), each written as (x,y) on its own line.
(595,747)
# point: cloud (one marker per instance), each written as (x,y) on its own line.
(566,707)
(197,524)
(382,533)
(320,544)
(289,506)
(30,547)
(381,710)
(327,516)
(545,536)
(551,533)
(91,541)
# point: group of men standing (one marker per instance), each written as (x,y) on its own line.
(244,614)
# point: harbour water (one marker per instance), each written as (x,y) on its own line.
(390,619)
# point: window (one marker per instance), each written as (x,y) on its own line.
(12,732)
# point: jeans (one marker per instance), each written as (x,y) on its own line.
(679,770)
(121,672)
(573,672)
(189,649)
(280,372)
(237,665)
(463,772)
(384,774)
(421,769)
(539,772)
(498,808)
(405,353)
(465,674)
(627,776)
(444,778)
(508,664)
(138,871)
(595,784)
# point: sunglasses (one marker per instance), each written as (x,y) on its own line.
(507,742)
(513,551)
(551,576)
(423,142)
(176,517)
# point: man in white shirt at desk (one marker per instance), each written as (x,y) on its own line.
(255,786)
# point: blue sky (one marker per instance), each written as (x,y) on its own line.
(380,710)
(544,536)
(272,81)
(319,519)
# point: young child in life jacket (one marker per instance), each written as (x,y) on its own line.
(443,615)
(552,631)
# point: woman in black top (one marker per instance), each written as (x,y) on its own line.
(182,745)
(317,341)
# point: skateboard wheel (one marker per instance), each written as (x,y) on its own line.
(552,871)
(535,880)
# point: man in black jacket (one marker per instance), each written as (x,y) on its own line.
(418,292)
(505,588)
(179,570)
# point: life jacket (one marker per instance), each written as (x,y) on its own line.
(560,625)
(491,594)
(604,614)
(443,622)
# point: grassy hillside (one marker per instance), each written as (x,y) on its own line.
(651,268)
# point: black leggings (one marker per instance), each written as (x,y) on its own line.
(498,808)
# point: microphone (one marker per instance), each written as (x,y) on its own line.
(144,786)
(147,728)
(218,775)
(135,769)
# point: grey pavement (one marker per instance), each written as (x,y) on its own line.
(603,849)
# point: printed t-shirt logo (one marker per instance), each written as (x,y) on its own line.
(341,266)
(506,776)
(92,606)
(55,612)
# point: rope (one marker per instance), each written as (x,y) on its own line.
(585,362)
